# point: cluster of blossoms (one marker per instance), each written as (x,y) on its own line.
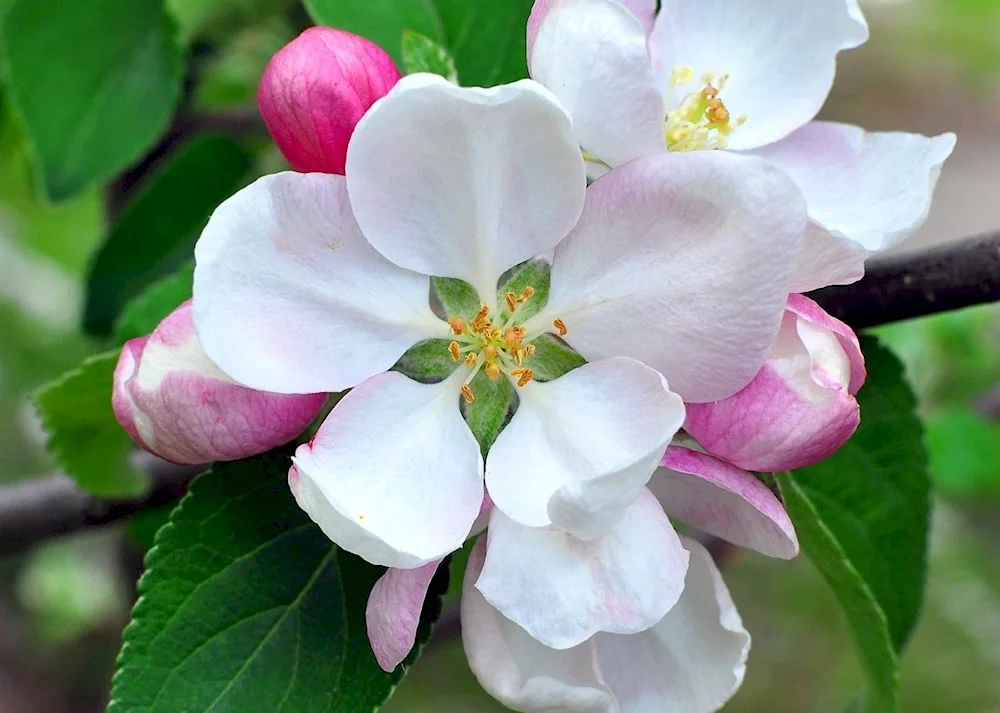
(650,324)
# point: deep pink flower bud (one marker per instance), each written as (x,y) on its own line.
(316,89)
(174,402)
(800,407)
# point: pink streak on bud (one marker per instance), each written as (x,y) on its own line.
(316,89)
(174,402)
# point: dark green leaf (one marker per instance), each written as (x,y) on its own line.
(427,362)
(862,517)
(487,38)
(95,82)
(536,274)
(142,314)
(158,231)
(247,607)
(552,358)
(491,410)
(422,54)
(84,436)
(457,297)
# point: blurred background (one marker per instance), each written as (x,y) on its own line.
(931,66)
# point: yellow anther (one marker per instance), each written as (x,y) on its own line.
(526,294)
(529,350)
(518,356)
(522,374)
(681,76)
(467,393)
(470,359)
(492,370)
(491,353)
(481,321)
(457,325)
(455,350)
(701,120)
(511,300)
(512,337)
(560,327)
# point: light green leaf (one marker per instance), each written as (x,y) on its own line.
(427,362)
(84,437)
(491,410)
(94,81)
(142,314)
(862,517)
(246,606)
(158,230)
(487,38)
(422,54)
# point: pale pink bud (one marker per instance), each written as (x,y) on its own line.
(800,407)
(316,89)
(174,402)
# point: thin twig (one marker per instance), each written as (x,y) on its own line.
(943,278)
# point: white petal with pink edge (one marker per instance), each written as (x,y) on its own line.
(718,498)
(290,298)
(682,261)
(580,449)
(393,612)
(779,55)
(592,55)
(562,590)
(465,182)
(393,475)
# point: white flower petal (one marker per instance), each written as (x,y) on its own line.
(393,474)
(874,189)
(827,259)
(465,182)
(692,661)
(682,261)
(725,501)
(580,449)
(516,669)
(592,55)
(780,56)
(290,298)
(562,590)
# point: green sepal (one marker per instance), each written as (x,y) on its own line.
(552,358)
(537,274)
(491,410)
(457,298)
(427,362)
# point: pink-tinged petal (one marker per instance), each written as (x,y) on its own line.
(316,89)
(873,189)
(465,182)
(519,671)
(779,55)
(644,11)
(811,314)
(174,402)
(580,449)
(682,261)
(290,297)
(693,661)
(827,259)
(800,407)
(725,501)
(393,612)
(393,475)
(592,55)
(562,590)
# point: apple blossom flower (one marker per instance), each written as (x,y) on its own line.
(800,408)
(673,269)
(749,77)
(316,89)
(174,402)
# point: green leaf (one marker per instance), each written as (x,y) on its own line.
(427,362)
(552,358)
(964,452)
(246,606)
(84,436)
(159,228)
(94,81)
(456,297)
(536,274)
(491,410)
(862,517)
(142,314)
(487,38)
(422,54)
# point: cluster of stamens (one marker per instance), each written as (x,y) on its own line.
(701,121)
(497,349)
